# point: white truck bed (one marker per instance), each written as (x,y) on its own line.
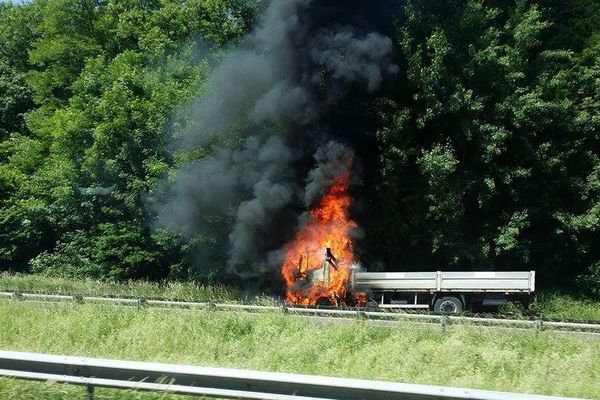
(442,281)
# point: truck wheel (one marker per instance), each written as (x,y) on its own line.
(448,305)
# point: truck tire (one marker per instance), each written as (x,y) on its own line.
(448,305)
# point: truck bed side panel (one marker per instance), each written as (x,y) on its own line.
(483,281)
(396,280)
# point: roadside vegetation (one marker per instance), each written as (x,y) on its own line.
(21,390)
(485,139)
(549,305)
(183,291)
(566,307)
(555,306)
(459,357)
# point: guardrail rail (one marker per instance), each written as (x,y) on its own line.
(383,318)
(225,382)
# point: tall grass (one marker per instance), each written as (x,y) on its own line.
(565,307)
(530,363)
(20,390)
(549,305)
(185,291)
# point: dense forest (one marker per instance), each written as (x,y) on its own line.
(479,148)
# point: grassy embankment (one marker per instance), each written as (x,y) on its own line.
(184,291)
(545,364)
(550,306)
(565,307)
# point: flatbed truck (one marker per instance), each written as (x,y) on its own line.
(447,292)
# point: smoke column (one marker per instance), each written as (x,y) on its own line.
(264,122)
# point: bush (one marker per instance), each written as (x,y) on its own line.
(66,261)
(590,284)
(113,251)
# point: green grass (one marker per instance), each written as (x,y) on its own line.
(549,305)
(185,291)
(461,357)
(565,307)
(22,390)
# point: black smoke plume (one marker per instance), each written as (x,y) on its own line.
(266,121)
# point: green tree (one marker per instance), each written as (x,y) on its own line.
(15,100)
(91,92)
(498,134)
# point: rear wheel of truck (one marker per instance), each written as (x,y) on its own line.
(448,305)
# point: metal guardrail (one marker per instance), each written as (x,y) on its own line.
(225,382)
(440,320)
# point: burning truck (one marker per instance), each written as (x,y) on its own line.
(319,269)
(277,128)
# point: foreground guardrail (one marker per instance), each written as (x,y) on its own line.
(375,316)
(224,382)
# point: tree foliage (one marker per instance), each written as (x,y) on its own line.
(488,144)
(490,152)
(88,98)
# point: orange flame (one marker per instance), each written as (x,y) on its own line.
(306,255)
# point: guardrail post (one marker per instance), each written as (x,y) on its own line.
(538,325)
(89,391)
(444,322)
(78,299)
(17,296)
(140,304)
(284,309)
